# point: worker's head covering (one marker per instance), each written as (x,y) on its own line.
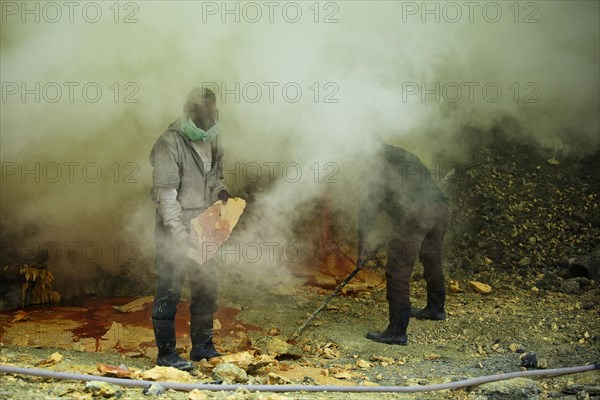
(199,95)
(200,104)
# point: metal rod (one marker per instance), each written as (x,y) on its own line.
(339,287)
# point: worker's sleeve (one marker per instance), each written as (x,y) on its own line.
(366,219)
(170,211)
(166,180)
(220,185)
(368,201)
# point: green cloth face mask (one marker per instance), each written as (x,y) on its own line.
(194,133)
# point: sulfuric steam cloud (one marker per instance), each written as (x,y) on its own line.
(302,90)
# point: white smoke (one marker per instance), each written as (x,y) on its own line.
(414,73)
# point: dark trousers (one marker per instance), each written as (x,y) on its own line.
(419,233)
(172,266)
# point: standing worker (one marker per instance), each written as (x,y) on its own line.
(401,186)
(187,179)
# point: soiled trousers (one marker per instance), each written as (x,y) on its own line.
(419,233)
(172,266)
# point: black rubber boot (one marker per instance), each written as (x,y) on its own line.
(164,334)
(201,333)
(395,333)
(436,301)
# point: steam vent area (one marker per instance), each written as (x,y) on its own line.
(300,200)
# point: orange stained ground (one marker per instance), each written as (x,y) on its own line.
(97,326)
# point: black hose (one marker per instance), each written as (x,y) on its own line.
(6,369)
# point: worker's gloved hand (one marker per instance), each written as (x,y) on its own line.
(363,252)
(191,242)
(224,196)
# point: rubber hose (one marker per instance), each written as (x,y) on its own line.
(6,369)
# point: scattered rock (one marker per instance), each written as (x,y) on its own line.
(197,394)
(525,261)
(480,350)
(368,383)
(550,281)
(454,287)
(275,396)
(383,360)
(514,389)
(53,359)
(78,347)
(570,286)
(542,363)
(103,389)
(20,315)
(277,345)
(275,379)
(343,375)
(135,305)
(529,360)
(249,361)
(588,305)
(133,354)
(480,287)
(592,390)
(329,351)
(169,374)
(156,389)
(274,331)
(119,372)
(230,373)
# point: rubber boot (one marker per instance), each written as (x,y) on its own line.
(395,333)
(436,301)
(201,333)
(164,334)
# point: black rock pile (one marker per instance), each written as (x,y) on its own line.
(517,210)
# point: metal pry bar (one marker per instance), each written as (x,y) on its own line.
(339,287)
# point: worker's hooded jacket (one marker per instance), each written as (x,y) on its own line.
(181,181)
(398,183)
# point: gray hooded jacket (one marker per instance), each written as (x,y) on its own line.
(181,181)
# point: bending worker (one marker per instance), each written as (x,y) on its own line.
(187,179)
(402,187)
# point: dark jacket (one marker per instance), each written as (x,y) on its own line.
(399,184)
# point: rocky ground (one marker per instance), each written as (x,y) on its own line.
(484,334)
(525,224)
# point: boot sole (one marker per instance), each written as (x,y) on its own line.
(429,318)
(416,313)
(200,358)
(184,367)
(397,342)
